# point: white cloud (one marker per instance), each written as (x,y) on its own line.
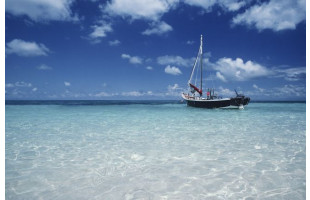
(44,67)
(287,91)
(172,70)
(24,48)
(133,93)
(100,31)
(42,10)
(290,91)
(175,60)
(220,76)
(207,5)
(173,87)
(139,9)
(238,70)
(34,89)
(291,74)
(173,90)
(23,84)
(138,93)
(132,59)
(258,88)
(9,85)
(190,42)
(102,94)
(226,92)
(18,84)
(149,68)
(114,43)
(230,5)
(67,83)
(125,56)
(276,15)
(158,28)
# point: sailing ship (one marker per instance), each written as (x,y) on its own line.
(195,95)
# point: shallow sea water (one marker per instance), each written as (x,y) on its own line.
(155,151)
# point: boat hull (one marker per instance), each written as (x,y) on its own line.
(238,102)
(209,103)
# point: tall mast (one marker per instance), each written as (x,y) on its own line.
(194,66)
(201,63)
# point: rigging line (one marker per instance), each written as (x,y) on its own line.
(201,59)
(197,70)
(206,82)
(212,80)
(193,69)
(196,75)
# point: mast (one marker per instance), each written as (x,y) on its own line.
(194,66)
(201,64)
(199,90)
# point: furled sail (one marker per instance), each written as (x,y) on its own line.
(195,89)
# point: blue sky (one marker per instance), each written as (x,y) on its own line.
(144,49)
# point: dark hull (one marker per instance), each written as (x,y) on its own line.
(237,101)
(209,104)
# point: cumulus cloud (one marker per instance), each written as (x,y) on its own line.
(154,9)
(238,70)
(67,84)
(44,10)
(226,91)
(220,76)
(173,70)
(102,94)
(23,84)
(258,88)
(149,68)
(173,87)
(291,74)
(190,42)
(133,93)
(175,60)
(100,31)
(139,9)
(230,5)
(44,67)
(173,90)
(276,15)
(9,85)
(158,28)
(290,90)
(26,49)
(34,89)
(18,84)
(132,59)
(114,43)
(137,93)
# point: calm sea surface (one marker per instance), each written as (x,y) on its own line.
(154,150)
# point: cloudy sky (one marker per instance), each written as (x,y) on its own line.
(144,49)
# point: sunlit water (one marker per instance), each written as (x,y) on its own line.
(155,151)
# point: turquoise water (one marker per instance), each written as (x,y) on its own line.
(155,151)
